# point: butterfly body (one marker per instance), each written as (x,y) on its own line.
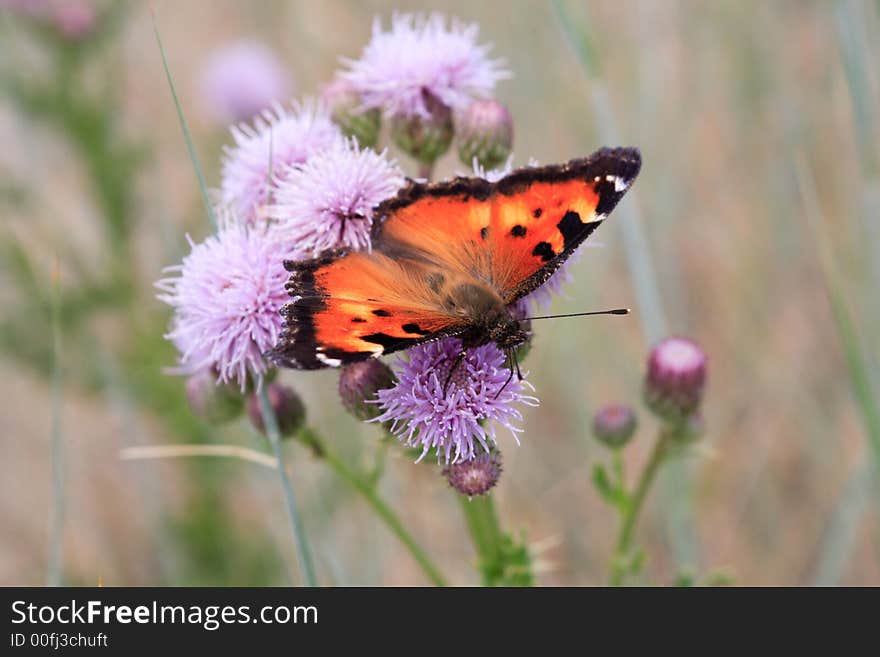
(448,259)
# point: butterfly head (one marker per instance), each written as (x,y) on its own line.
(508,333)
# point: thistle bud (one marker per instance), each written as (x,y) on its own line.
(287,405)
(358,385)
(346,111)
(214,402)
(484,131)
(475,477)
(75,21)
(675,379)
(425,138)
(614,425)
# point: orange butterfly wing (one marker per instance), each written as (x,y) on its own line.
(508,236)
(349,307)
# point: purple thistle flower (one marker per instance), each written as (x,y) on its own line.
(480,392)
(419,58)
(327,202)
(262,152)
(242,79)
(226,296)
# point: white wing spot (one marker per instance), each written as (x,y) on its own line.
(619,183)
(330,362)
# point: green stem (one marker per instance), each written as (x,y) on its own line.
(486,534)
(619,564)
(367,490)
(56,518)
(304,556)
(426,171)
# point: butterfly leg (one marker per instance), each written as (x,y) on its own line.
(519,376)
(452,369)
(511,357)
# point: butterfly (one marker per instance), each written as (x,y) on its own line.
(448,259)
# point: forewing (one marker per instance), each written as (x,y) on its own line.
(510,235)
(540,216)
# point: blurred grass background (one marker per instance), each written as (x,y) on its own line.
(758,124)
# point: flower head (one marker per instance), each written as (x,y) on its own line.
(328,201)
(290,412)
(213,403)
(358,385)
(421,57)
(424,138)
(452,405)
(484,133)
(73,20)
(241,80)
(614,425)
(675,378)
(226,296)
(263,152)
(344,105)
(477,476)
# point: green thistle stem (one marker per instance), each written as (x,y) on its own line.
(482,521)
(502,562)
(56,516)
(367,490)
(303,553)
(620,561)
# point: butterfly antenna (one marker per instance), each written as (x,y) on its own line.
(615,311)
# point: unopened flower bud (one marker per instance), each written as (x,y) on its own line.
(475,477)
(484,131)
(675,379)
(212,401)
(287,405)
(358,385)
(346,110)
(614,425)
(75,21)
(425,138)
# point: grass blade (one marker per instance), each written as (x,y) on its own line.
(303,552)
(203,187)
(56,514)
(856,360)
